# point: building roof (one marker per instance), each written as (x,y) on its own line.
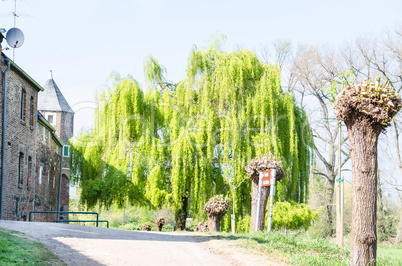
(18,69)
(52,99)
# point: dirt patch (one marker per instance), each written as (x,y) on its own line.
(243,256)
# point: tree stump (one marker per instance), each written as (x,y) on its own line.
(202,227)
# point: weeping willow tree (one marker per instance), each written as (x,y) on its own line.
(175,144)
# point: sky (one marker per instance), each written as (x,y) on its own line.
(82,42)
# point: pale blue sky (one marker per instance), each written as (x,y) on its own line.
(83,41)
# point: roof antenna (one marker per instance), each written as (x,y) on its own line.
(15,12)
(14,36)
(15,21)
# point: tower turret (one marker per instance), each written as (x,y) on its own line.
(54,107)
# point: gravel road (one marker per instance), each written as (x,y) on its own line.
(85,245)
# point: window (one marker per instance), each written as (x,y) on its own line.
(29,178)
(66,151)
(31,112)
(20,169)
(50,118)
(40,174)
(44,134)
(54,181)
(23,105)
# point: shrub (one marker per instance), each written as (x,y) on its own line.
(130,226)
(243,224)
(290,215)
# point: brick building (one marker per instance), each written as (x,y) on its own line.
(34,151)
(48,163)
(54,107)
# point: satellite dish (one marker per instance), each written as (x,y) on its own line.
(15,37)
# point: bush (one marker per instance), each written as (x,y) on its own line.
(130,226)
(168,227)
(290,215)
(243,224)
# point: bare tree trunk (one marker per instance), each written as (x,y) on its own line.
(254,205)
(181,216)
(329,208)
(214,222)
(363,139)
(398,156)
(399,234)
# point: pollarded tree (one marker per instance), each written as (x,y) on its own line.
(257,165)
(216,208)
(160,221)
(366,109)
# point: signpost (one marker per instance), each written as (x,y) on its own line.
(266,179)
(339,197)
(233,217)
(259,202)
(271,202)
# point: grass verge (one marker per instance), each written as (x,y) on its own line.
(15,249)
(300,249)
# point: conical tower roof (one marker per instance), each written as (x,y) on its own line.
(51,99)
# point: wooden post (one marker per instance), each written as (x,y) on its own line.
(259,203)
(339,197)
(233,217)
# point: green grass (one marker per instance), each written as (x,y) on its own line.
(15,249)
(300,249)
(389,254)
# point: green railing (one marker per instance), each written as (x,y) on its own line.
(82,221)
(63,212)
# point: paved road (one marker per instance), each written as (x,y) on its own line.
(84,245)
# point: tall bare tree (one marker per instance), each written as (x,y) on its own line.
(311,72)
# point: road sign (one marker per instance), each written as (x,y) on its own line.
(266,178)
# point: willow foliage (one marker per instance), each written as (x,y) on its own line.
(181,145)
